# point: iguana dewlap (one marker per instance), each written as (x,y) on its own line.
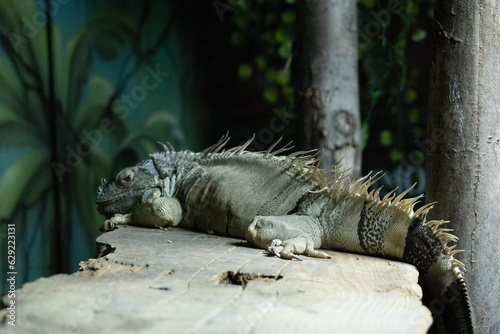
(288,205)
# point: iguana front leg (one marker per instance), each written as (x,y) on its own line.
(154,210)
(283,237)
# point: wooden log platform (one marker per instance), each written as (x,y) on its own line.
(181,281)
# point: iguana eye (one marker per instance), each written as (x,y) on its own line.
(125,177)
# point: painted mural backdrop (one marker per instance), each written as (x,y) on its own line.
(86,87)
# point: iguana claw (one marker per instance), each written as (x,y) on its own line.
(277,249)
(107,226)
(113,222)
(281,236)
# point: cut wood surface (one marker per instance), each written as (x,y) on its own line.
(180,281)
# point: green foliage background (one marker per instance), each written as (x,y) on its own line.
(266,30)
(388,80)
(391,80)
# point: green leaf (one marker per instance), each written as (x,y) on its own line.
(288,17)
(419,35)
(271,94)
(94,105)
(430,12)
(386,138)
(163,122)
(417,132)
(161,117)
(412,8)
(78,68)
(18,135)
(261,62)
(119,127)
(25,102)
(106,32)
(42,183)
(375,98)
(9,18)
(18,177)
(395,155)
(414,115)
(368,3)
(10,94)
(13,17)
(8,116)
(245,71)
(16,132)
(410,96)
(27,38)
(282,77)
(280,36)
(109,31)
(417,158)
(285,50)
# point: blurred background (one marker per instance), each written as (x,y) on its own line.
(88,87)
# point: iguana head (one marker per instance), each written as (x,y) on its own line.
(125,191)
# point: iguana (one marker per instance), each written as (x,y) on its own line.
(287,204)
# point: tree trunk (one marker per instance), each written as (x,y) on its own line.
(325,76)
(463,146)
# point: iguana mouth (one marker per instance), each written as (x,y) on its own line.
(104,204)
(114,198)
(100,192)
(110,200)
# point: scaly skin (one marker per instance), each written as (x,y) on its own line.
(289,206)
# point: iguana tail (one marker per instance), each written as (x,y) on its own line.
(389,227)
(426,248)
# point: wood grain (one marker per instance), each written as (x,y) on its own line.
(176,282)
